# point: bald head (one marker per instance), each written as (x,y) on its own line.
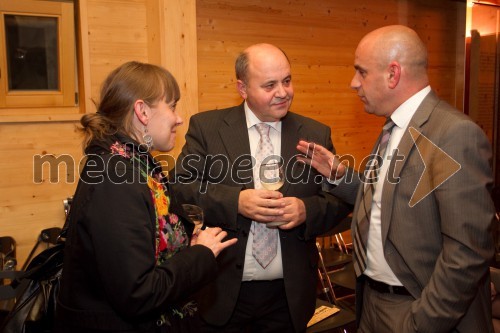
(264,81)
(391,66)
(398,43)
(256,53)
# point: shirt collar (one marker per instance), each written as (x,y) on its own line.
(252,119)
(403,114)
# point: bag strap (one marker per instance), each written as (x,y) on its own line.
(30,256)
(7,292)
(11,275)
(16,277)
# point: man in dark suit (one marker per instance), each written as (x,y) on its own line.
(421,222)
(216,170)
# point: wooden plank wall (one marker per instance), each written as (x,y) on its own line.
(319,36)
(27,208)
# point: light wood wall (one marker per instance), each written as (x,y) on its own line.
(320,38)
(198,41)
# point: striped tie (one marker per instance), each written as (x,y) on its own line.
(363,213)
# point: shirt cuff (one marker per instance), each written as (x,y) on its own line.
(329,184)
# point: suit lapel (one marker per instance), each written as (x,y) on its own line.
(405,147)
(290,133)
(234,135)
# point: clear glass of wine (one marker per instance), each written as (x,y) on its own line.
(272,177)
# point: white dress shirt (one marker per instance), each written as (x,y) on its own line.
(252,269)
(377,267)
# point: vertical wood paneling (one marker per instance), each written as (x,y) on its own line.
(320,38)
(27,207)
(111,39)
(116,34)
(181,58)
(199,41)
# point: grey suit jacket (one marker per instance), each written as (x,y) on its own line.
(441,247)
(213,169)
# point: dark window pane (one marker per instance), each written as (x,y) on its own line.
(32,56)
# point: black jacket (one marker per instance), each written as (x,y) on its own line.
(110,278)
(211,172)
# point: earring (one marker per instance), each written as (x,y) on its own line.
(148,139)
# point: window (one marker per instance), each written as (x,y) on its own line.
(37,54)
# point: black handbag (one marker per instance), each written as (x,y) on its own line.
(36,294)
(35,290)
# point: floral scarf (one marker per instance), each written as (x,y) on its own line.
(171,236)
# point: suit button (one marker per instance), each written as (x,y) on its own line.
(244,233)
(239,266)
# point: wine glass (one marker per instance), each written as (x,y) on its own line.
(195,214)
(272,178)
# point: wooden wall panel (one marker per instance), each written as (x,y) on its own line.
(27,207)
(320,38)
(117,33)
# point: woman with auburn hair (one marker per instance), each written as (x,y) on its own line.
(130,263)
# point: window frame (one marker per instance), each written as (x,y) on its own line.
(39,101)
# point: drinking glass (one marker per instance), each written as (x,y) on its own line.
(272,178)
(195,214)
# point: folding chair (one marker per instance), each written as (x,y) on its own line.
(8,265)
(334,248)
(338,273)
(8,261)
(339,268)
(338,322)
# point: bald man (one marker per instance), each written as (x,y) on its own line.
(422,217)
(218,170)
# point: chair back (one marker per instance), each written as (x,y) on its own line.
(8,261)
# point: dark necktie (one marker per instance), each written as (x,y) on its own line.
(363,213)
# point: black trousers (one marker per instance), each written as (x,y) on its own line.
(261,308)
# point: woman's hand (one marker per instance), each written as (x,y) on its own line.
(212,238)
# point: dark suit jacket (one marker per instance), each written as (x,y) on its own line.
(213,168)
(440,248)
(110,279)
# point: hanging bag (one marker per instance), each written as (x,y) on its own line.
(36,291)
(36,287)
